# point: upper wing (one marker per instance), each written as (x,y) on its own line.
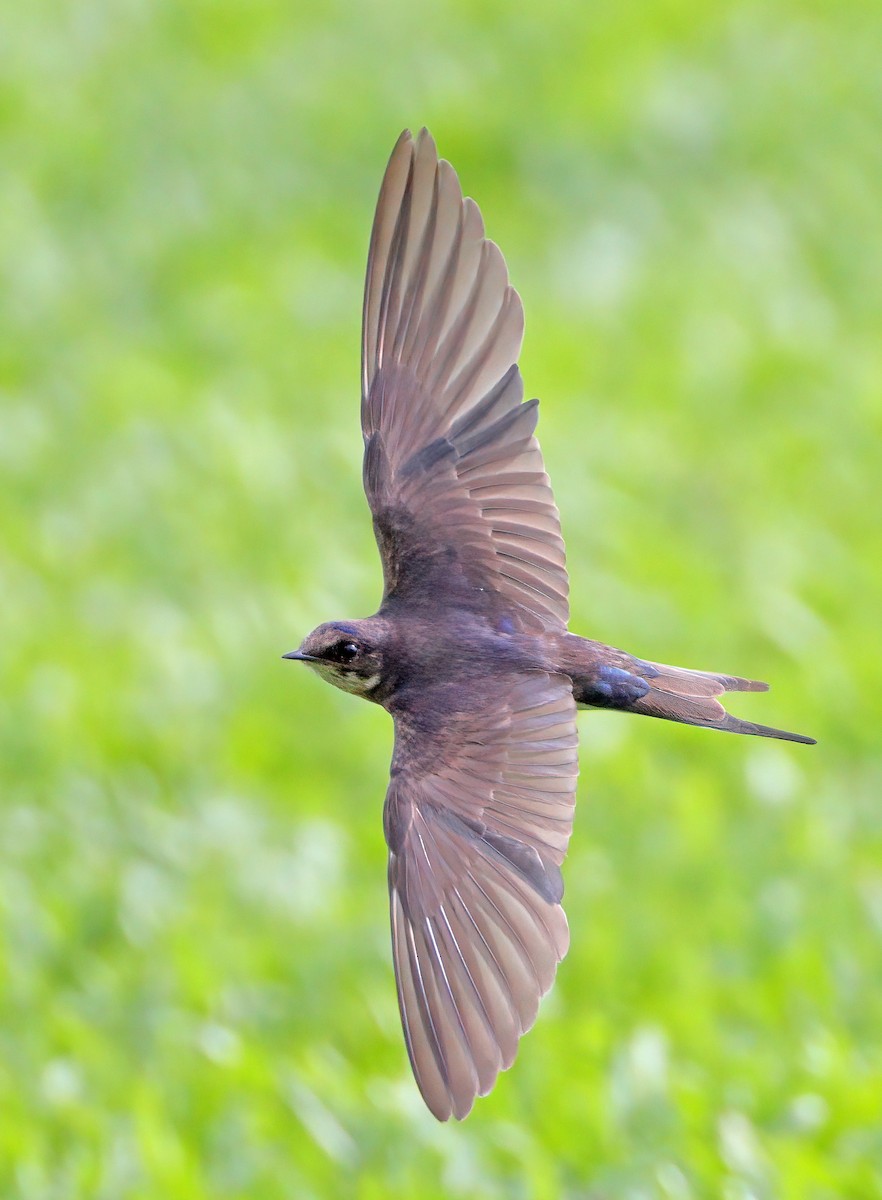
(477,817)
(452,472)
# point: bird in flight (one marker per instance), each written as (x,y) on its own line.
(469,650)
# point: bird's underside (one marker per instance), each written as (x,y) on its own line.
(470,651)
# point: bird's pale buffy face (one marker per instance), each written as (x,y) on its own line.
(342,654)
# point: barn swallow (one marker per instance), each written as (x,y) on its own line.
(469,650)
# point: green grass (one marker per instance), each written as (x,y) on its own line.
(196,997)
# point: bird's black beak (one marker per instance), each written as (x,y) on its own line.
(299,656)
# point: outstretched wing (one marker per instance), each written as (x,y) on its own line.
(452,471)
(478,817)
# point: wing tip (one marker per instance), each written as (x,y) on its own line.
(403,144)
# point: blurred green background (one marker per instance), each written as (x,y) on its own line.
(197,997)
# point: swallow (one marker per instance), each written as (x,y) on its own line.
(469,650)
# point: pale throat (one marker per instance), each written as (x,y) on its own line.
(347,681)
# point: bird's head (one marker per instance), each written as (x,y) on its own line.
(345,653)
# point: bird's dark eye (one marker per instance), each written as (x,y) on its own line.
(345,651)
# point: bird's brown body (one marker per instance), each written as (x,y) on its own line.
(455,647)
(470,651)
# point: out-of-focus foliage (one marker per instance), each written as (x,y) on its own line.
(197,999)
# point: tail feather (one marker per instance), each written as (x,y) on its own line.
(676,694)
(682,682)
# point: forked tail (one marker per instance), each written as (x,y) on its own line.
(674,694)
